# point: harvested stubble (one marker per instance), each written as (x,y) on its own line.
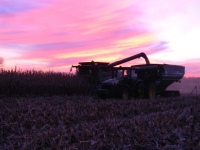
(91,123)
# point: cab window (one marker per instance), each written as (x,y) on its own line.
(126,73)
(133,74)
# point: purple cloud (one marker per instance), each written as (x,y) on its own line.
(8,7)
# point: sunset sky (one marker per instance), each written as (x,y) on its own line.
(55,34)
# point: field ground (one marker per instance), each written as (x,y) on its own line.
(85,122)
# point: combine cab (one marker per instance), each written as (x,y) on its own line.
(93,72)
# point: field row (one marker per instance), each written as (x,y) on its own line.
(91,123)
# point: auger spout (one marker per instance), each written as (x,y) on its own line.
(129,59)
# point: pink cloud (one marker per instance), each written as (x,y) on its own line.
(60,33)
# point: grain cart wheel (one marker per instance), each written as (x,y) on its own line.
(125,94)
(140,90)
(151,91)
(170,94)
(177,93)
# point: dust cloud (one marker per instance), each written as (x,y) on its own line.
(187,85)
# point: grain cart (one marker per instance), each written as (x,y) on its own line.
(140,81)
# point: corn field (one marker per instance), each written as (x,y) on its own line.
(38,83)
(86,122)
(52,110)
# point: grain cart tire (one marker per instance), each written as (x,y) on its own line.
(177,93)
(140,90)
(125,95)
(170,94)
(151,91)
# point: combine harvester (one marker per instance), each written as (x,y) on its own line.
(138,81)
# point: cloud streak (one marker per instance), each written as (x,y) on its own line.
(9,7)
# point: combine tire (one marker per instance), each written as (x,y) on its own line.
(140,90)
(151,91)
(125,94)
